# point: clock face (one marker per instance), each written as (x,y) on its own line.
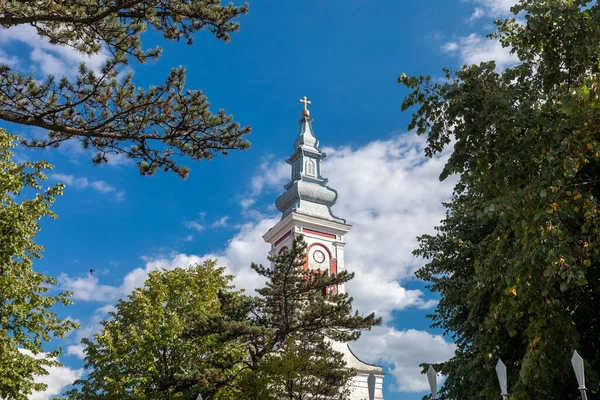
(318,256)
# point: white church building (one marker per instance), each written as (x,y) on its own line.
(306,209)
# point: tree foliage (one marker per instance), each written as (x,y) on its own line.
(104,109)
(292,356)
(300,371)
(189,332)
(26,319)
(141,352)
(517,259)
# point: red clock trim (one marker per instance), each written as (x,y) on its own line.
(321,245)
(318,233)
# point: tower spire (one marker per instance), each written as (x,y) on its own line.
(306,138)
(307,191)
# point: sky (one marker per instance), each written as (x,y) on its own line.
(346,56)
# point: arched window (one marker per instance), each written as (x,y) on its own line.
(310,167)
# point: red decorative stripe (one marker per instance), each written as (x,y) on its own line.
(282,238)
(327,235)
(333,272)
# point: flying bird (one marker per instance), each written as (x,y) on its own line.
(91,271)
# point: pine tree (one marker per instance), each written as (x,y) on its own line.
(105,110)
(302,371)
(301,316)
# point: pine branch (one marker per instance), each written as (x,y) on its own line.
(105,112)
(113,116)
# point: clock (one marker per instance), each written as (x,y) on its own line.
(318,256)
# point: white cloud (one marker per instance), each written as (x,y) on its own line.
(493,8)
(271,174)
(84,183)
(478,13)
(195,225)
(80,183)
(48,59)
(105,310)
(450,47)
(198,224)
(243,248)
(404,351)
(88,288)
(102,186)
(117,159)
(474,49)
(220,223)
(247,203)
(57,378)
(76,350)
(11,61)
(49,63)
(92,326)
(120,196)
(389,295)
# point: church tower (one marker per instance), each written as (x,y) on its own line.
(306,209)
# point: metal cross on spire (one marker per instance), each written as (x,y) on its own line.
(305,112)
(305,101)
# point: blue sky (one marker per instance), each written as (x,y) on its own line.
(345,56)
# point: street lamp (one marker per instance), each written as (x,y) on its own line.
(432,378)
(577,363)
(501,372)
(371,386)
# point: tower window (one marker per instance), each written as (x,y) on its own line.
(310,167)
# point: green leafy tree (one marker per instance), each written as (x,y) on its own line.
(104,110)
(141,352)
(517,259)
(26,319)
(289,336)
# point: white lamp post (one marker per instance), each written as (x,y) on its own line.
(432,378)
(371,386)
(577,363)
(501,372)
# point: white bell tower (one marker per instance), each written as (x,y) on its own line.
(306,209)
